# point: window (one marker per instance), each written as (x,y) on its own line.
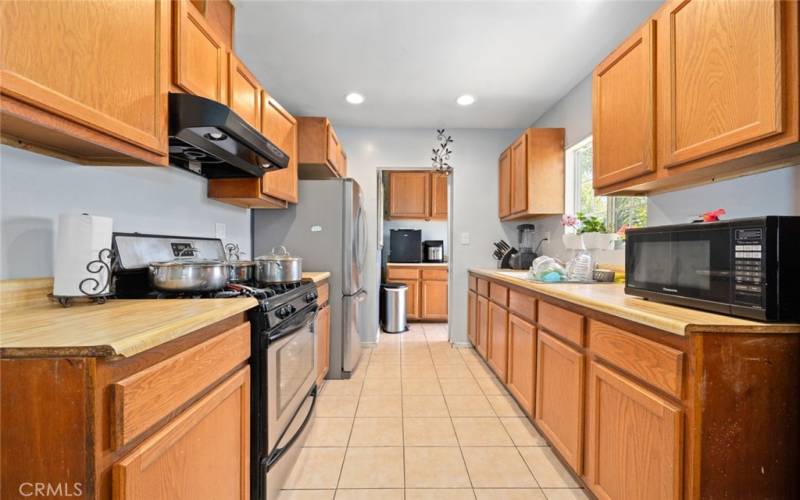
(615,211)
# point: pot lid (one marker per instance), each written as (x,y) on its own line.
(283,255)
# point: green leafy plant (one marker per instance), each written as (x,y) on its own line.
(591,224)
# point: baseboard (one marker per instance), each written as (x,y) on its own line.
(368,344)
(461,344)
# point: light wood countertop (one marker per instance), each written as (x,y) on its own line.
(416,264)
(32,325)
(317,276)
(610,298)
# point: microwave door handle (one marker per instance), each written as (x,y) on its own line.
(294,325)
(276,455)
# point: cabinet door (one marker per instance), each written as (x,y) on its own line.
(504,167)
(323,333)
(244,92)
(438,197)
(521,361)
(203,453)
(623,119)
(472,317)
(498,340)
(720,71)
(634,440)
(280,127)
(409,195)
(332,149)
(434,299)
(201,63)
(102,64)
(519,175)
(341,162)
(412,297)
(559,397)
(483,326)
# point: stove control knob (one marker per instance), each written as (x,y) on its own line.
(292,309)
(284,312)
(311,297)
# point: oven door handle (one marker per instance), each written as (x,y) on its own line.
(294,324)
(278,452)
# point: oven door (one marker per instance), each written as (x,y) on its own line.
(291,371)
(691,263)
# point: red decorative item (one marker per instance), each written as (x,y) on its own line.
(713,216)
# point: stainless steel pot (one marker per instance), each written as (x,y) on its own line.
(189,274)
(242,271)
(279,267)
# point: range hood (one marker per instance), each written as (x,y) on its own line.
(209,139)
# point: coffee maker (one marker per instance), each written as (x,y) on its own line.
(433,250)
(526,255)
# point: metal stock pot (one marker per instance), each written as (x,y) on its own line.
(189,274)
(279,267)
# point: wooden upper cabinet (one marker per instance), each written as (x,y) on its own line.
(334,149)
(244,92)
(280,127)
(320,154)
(497,356)
(534,184)
(220,16)
(199,460)
(86,80)
(559,397)
(504,182)
(438,196)
(634,441)
(623,102)
(200,55)
(409,195)
(722,79)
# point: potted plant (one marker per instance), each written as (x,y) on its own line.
(594,233)
(572,240)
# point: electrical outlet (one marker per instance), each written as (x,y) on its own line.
(465,238)
(219,230)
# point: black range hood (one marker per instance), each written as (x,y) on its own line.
(209,139)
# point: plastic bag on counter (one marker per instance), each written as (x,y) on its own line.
(548,269)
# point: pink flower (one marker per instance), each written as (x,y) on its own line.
(621,230)
(713,215)
(569,220)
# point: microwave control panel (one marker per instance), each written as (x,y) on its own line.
(748,265)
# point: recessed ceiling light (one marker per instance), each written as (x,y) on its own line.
(354,98)
(465,100)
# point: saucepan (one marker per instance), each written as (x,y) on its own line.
(189,274)
(279,267)
(241,270)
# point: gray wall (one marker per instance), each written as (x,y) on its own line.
(474,198)
(35,189)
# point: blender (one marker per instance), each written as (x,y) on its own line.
(526,255)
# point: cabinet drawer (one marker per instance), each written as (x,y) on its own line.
(146,397)
(522,305)
(403,273)
(567,324)
(483,287)
(473,283)
(657,364)
(498,294)
(434,274)
(323,291)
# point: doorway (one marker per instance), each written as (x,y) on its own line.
(415,212)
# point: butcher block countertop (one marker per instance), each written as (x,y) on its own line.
(416,264)
(610,298)
(33,325)
(316,277)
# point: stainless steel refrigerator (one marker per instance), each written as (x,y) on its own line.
(327,228)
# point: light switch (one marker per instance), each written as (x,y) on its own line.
(465,238)
(219,230)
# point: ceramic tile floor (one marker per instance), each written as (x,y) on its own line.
(421,420)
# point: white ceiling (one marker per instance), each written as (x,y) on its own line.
(412,59)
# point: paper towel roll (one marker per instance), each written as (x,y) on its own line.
(80,239)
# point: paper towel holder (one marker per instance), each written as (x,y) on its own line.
(93,288)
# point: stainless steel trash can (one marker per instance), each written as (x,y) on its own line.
(393,307)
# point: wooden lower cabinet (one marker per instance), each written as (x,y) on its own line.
(427,294)
(323,332)
(483,326)
(559,397)
(412,298)
(497,357)
(434,299)
(472,317)
(191,458)
(521,361)
(634,439)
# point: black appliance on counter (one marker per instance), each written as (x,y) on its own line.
(433,250)
(209,139)
(282,338)
(405,245)
(745,267)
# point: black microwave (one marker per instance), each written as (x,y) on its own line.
(743,267)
